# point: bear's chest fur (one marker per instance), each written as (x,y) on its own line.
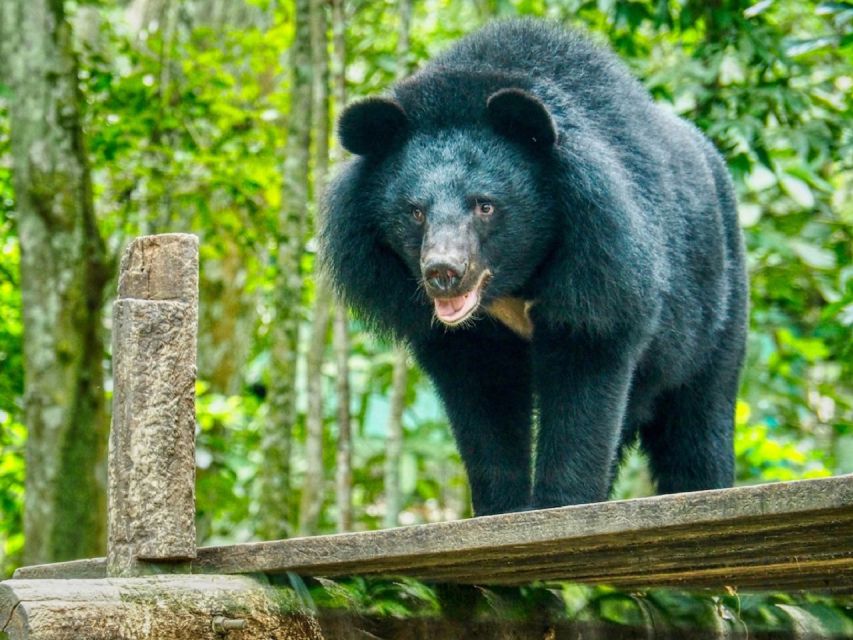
(514,313)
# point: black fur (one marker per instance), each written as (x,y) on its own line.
(613,217)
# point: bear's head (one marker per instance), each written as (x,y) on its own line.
(467,206)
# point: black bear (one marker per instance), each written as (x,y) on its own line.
(550,243)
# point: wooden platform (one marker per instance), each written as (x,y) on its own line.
(784,536)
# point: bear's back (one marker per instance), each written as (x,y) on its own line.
(530,47)
(563,67)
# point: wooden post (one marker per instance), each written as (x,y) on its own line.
(152,439)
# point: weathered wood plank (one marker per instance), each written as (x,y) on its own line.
(687,534)
(792,535)
(679,548)
(168,606)
(152,439)
(89,568)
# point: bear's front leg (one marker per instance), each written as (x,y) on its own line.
(582,383)
(483,378)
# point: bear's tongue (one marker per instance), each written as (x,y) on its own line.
(450,310)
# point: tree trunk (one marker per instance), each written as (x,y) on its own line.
(312,490)
(63,274)
(227,317)
(276,439)
(394,444)
(311,504)
(343,459)
(403,47)
(343,468)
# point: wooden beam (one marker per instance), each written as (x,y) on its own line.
(72,569)
(696,539)
(152,438)
(788,535)
(170,606)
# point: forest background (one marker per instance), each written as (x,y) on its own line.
(123,118)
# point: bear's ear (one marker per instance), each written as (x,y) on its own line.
(372,126)
(516,114)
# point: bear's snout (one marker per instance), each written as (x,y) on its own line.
(443,275)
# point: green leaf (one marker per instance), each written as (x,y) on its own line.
(798,190)
(814,255)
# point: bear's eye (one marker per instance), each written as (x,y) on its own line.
(418,215)
(484,209)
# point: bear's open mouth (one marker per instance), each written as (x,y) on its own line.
(456,310)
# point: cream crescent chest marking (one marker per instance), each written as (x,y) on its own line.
(514,313)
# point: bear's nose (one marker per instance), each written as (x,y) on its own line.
(443,277)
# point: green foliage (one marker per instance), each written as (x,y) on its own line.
(660,612)
(11,362)
(12,432)
(183,133)
(12,439)
(227,459)
(766,454)
(371,597)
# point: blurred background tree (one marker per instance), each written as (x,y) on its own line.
(63,271)
(214,117)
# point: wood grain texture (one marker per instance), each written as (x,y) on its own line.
(170,606)
(790,535)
